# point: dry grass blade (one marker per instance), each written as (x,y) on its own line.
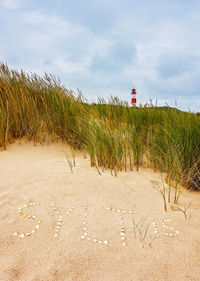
(69,161)
(162,191)
(138,227)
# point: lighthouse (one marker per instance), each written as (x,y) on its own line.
(133,100)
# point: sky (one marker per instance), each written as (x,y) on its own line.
(106,47)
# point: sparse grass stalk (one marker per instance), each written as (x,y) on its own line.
(73,153)
(69,161)
(183,210)
(162,189)
(138,227)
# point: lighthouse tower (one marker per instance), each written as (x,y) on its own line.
(133,100)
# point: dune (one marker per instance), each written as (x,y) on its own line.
(59,225)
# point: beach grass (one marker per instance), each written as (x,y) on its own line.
(182,209)
(115,135)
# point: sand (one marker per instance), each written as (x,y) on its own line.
(42,175)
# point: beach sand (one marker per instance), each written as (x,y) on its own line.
(41,174)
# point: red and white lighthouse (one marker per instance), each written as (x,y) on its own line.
(133,100)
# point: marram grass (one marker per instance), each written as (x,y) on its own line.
(116,136)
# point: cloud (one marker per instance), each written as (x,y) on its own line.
(174,65)
(43,43)
(118,56)
(11,4)
(152,45)
(50,38)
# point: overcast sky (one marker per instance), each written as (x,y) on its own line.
(106,47)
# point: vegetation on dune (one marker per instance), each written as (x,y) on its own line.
(116,136)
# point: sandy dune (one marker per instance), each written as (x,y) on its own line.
(40,174)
